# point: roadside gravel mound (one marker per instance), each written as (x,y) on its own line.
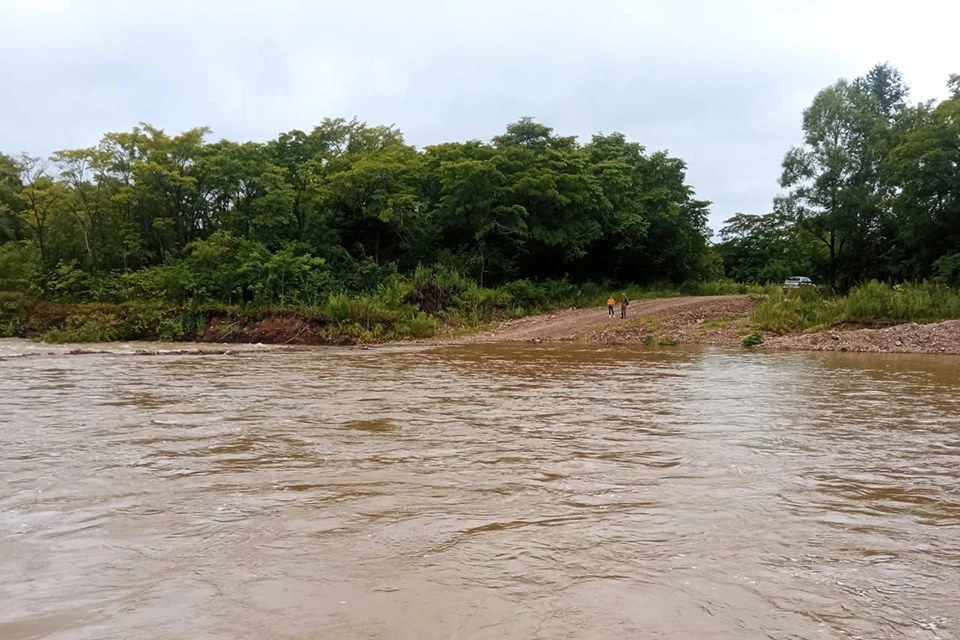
(942,337)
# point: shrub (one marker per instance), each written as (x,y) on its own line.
(948,269)
(170,329)
(753,339)
(336,308)
(430,297)
(92,327)
(524,294)
(20,266)
(483,301)
(417,326)
(173,283)
(876,303)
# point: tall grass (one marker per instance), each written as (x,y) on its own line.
(872,304)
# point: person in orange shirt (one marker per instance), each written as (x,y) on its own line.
(610,303)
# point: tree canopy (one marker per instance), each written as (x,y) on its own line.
(873,192)
(347,199)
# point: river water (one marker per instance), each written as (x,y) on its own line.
(478,491)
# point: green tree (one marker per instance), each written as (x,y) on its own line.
(10,203)
(372,199)
(925,169)
(83,175)
(836,184)
(249,195)
(172,191)
(42,200)
(477,221)
(767,248)
(346,206)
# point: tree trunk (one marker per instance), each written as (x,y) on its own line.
(833,259)
(43,248)
(482,265)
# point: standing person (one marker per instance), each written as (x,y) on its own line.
(623,306)
(610,303)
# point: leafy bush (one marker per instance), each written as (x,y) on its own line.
(93,327)
(753,339)
(417,326)
(9,308)
(173,282)
(948,269)
(20,266)
(69,282)
(524,294)
(483,301)
(879,303)
(336,308)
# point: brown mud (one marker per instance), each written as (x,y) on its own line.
(272,328)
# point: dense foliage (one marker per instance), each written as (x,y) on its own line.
(349,223)
(341,210)
(873,192)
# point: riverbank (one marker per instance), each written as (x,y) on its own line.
(57,323)
(408,311)
(725,321)
(719,321)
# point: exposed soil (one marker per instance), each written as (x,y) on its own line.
(719,321)
(274,328)
(708,320)
(942,337)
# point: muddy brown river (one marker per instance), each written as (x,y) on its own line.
(478,491)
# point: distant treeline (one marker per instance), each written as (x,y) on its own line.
(874,193)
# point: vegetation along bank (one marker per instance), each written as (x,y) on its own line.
(347,234)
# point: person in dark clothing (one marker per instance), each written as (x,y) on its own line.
(623,306)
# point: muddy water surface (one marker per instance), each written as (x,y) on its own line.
(480,491)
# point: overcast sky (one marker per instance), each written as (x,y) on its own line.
(719,83)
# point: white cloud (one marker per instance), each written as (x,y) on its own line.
(720,84)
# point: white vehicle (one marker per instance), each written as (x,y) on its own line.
(795,282)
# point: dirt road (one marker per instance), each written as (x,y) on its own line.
(659,316)
(719,321)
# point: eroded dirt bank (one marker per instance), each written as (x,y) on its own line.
(720,321)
